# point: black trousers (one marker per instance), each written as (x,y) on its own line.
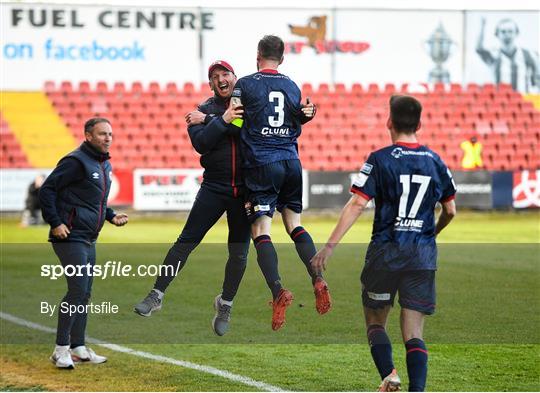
(209,206)
(71,328)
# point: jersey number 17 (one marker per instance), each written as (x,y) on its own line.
(406,180)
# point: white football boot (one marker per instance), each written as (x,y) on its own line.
(61,357)
(84,354)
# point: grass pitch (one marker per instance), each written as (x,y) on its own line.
(484,336)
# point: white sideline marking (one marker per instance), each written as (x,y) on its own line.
(163,359)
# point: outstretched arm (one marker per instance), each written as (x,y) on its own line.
(484,54)
(350,213)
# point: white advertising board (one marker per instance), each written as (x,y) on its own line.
(14,185)
(99,43)
(176,189)
(235,39)
(403,46)
(94,43)
(165,189)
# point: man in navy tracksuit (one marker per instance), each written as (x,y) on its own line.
(74,203)
(216,139)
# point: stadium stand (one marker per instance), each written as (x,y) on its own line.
(12,156)
(40,132)
(150,130)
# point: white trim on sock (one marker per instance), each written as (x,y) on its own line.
(60,348)
(225,302)
(160,294)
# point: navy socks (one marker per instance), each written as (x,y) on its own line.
(381,349)
(305,249)
(268,262)
(417,357)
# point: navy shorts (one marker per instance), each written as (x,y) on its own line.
(273,186)
(416,289)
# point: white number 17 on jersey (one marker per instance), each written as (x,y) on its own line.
(405,180)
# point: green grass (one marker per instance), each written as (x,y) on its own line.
(483,337)
(299,367)
(468,227)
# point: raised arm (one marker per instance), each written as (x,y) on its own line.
(484,54)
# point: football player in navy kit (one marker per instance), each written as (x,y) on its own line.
(272,122)
(406,180)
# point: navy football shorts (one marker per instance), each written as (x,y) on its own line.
(416,289)
(277,185)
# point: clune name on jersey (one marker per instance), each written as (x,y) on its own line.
(270,131)
(408,224)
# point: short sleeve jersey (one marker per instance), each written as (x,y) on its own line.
(272,113)
(406,181)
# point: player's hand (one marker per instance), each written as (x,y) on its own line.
(120,219)
(320,260)
(309,108)
(195,117)
(232,113)
(60,232)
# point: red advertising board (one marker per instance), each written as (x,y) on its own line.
(526,189)
(122,188)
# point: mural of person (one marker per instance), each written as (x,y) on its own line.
(510,64)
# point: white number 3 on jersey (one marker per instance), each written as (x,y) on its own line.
(277,121)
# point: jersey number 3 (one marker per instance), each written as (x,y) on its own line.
(405,180)
(278,120)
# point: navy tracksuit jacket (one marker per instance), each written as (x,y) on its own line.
(75,194)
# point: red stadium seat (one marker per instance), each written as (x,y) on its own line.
(455,88)
(438,88)
(137,88)
(373,88)
(357,89)
(323,88)
(340,89)
(66,87)
(154,88)
(171,88)
(389,88)
(101,87)
(489,88)
(84,88)
(307,89)
(49,86)
(473,88)
(349,124)
(119,87)
(189,88)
